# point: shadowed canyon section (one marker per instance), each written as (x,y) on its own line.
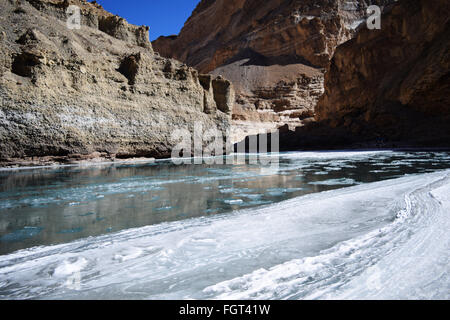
(97,92)
(382,88)
(394,83)
(275,53)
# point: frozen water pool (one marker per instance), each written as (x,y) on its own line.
(323,225)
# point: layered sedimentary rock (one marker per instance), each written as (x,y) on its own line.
(99,91)
(274,51)
(386,88)
(271,96)
(394,82)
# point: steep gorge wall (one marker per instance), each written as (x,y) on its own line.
(386,88)
(275,52)
(221,30)
(95,92)
(394,83)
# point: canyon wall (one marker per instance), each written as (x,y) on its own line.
(386,88)
(394,82)
(96,92)
(275,52)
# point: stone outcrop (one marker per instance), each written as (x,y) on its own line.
(275,52)
(99,91)
(394,83)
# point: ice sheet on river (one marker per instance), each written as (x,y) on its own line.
(387,239)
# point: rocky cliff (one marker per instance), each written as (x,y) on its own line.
(386,88)
(99,91)
(394,83)
(275,52)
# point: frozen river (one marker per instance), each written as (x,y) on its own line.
(321,225)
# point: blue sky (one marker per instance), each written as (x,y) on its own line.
(165,17)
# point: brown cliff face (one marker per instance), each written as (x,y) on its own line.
(100,91)
(394,82)
(306,30)
(274,52)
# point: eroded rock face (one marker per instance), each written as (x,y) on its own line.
(94,92)
(272,96)
(394,82)
(275,53)
(93,15)
(220,30)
